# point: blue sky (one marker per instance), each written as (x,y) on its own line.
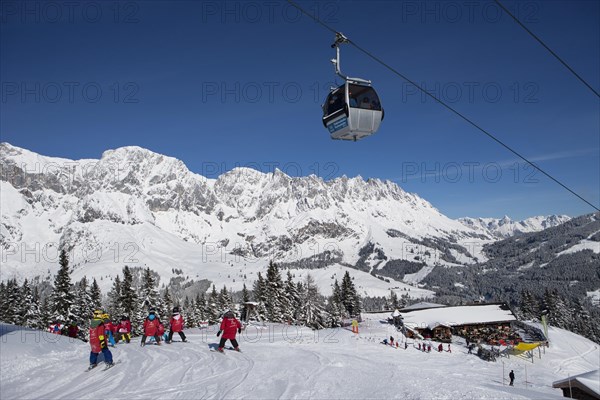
(220,85)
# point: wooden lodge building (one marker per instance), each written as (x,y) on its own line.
(490,323)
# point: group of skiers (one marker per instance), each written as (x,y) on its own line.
(153,327)
(104,333)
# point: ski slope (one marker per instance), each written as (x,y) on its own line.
(281,361)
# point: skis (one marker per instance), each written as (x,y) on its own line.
(105,368)
(109,366)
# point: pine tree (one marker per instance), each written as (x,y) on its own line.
(259,293)
(200,311)
(37,315)
(13,301)
(394,303)
(293,298)
(225,300)
(149,297)
(62,296)
(45,313)
(314,312)
(557,310)
(114,298)
(83,308)
(529,306)
(583,323)
(213,306)
(3,303)
(274,294)
(95,295)
(167,303)
(350,298)
(24,313)
(335,307)
(245,299)
(129,298)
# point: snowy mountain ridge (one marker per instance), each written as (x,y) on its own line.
(502,228)
(139,208)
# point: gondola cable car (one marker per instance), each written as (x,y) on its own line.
(352,110)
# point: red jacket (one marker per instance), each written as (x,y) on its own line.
(72,331)
(177,323)
(229,326)
(97,338)
(124,327)
(109,326)
(151,328)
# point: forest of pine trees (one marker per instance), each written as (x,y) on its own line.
(560,312)
(136,291)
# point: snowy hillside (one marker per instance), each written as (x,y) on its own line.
(505,227)
(283,362)
(138,208)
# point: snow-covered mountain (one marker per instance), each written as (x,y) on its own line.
(505,227)
(139,208)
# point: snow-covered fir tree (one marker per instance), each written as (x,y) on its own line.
(259,295)
(335,306)
(529,306)
(113,299)
(129,298)
(83,308)
(200,312)
(274,294)
(293,297)
(350,297)
(167,304)
(245,299)
(557,311)
(213,306)
(225,299)
(314,310)
(95,295)
(62,296)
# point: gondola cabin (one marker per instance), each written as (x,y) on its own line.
(352,111)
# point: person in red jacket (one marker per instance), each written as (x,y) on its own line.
(176,325)
(124,330)
(99,343)
(151,328)
(73,329)
(228,327)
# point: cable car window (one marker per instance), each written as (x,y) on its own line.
(363,97)
(335,102)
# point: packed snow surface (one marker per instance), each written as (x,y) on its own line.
(287,362)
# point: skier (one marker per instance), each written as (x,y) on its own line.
(511,375)
(228,327)
(73,330)
(176,325)
(108,325)
(99,343)
(440,348)
(124,329)
(151,328)
(449,351)
(392,341)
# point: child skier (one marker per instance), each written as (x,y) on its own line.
(108,325)
(124,329)
(228,327)
(176,325)
(73,330)
(99,343)
(151,328)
